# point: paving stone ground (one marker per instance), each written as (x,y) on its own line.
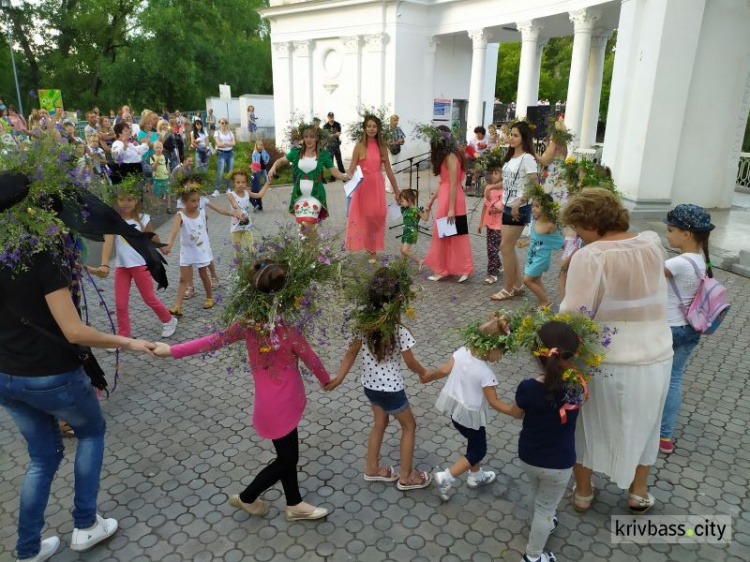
(179,441)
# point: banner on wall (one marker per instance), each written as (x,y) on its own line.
(441,109)
(51,100)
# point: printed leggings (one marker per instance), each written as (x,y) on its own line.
(283,468)
(493,252)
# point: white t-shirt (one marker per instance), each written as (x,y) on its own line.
(386,376)
(195,248)
(480,146)
(126,255)
(515,171)
(687,283)
(201,206)
(462,397)
(244,204)
(224,137)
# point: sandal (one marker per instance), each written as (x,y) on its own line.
(503,295)
(189,292)
(65,429)
(644,504)
(208,303)
(214,282)
(176,311)
(490,279)
(424,481)
(583,499)
(390,476)
(519,291)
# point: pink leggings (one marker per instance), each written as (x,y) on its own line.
(142,278)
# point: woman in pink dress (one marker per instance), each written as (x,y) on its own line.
(365,226)
(452,255)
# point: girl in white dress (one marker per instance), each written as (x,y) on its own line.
(195,248)
(241,227)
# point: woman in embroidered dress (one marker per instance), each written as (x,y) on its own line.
(309,160)
(365,226)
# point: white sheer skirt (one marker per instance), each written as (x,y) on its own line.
(460,412)
(618,427)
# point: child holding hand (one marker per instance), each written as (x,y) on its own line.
(411,214)
(383,341)
(492,218)
(467,393)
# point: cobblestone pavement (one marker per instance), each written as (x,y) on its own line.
(179,441)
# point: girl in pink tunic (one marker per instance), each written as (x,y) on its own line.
(365,226)
(279,397)
(451,255)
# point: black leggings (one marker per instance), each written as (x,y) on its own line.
(284,468)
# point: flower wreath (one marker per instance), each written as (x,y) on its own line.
(433,135)
(366,319)
(356,129)
(594,341)
(550,207)
(179,185)
(583,172)
(491,159)
(560,137)
(474,338)
(312,268)
(298,125)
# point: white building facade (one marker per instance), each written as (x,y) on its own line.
(679,98)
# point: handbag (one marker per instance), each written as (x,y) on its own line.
(83,353)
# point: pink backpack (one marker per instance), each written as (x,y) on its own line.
(709,307)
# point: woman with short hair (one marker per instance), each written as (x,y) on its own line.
(618,277)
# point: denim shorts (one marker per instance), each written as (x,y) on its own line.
(524,216)
(391,402)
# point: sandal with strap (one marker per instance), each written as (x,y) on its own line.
(583,499)
(176,311)
(490,280)
(503,295)
(519,291)
(644,504)
(208,303)
(390,476)
(424,481)
(189,292)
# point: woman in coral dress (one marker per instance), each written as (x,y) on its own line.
(365,226)
(452,255)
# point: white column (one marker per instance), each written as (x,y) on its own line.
(282,88)
(583,22)
(429,78)
(528,72)
(374,69)
(353,64)
(476,85)
(593,88)
(303,78)
(534,84)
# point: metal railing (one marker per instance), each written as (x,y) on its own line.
(743,172)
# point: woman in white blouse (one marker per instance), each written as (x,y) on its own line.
(125,153)
(618,276)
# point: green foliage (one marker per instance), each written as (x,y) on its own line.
(145,54)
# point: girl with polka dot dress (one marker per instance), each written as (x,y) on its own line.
(382,349)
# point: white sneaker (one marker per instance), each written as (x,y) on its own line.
(443,481)
(48,548)
(546,556)
(83,539)
(169,328)
(482,478)
(215,193)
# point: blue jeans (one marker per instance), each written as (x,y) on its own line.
(226,159)
(36,403)
(684,340)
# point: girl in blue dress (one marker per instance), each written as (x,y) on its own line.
(545,238)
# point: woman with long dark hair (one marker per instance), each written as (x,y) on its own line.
(365,225)
(450,255)
(519,169)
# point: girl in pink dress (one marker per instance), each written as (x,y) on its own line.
(365,226)
(279,396)
(452,255)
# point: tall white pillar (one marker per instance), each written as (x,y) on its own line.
(593,88)
(373,91)
(302,78)
(353,64)
(282,86)
(429,78)
(583,22)
(476,85)
(534,84)
(528,72)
